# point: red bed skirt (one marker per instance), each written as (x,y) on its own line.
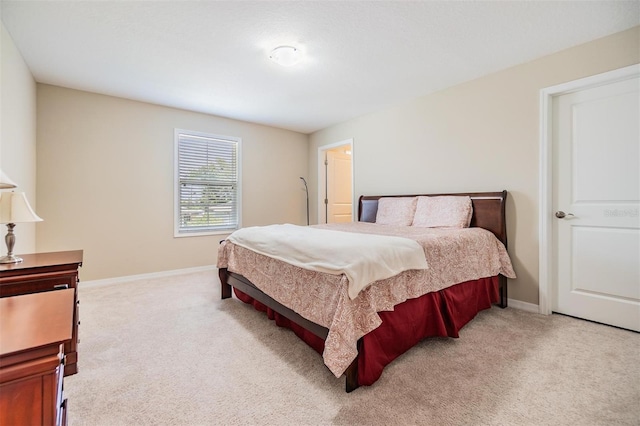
(439,314)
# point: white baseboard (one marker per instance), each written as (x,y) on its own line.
(523,306)
(151,275)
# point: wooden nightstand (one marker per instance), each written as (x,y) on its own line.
(45,272)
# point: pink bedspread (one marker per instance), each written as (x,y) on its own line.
(454,256)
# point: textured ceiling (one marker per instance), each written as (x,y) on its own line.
(359,56)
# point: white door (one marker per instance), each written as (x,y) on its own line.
(339,193)
(596,201)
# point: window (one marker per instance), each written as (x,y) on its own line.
(207,179)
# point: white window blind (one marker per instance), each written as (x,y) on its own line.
(207,183)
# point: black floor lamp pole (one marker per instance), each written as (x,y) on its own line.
(307,191)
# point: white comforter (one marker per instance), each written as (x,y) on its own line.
(363,258)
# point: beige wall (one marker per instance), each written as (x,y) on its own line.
(477,136)
(18,134)
(105,181)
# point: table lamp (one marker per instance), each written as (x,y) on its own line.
(14,208)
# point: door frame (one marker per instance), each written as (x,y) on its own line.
(322,177)
(545,214)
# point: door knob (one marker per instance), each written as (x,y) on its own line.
(561,215)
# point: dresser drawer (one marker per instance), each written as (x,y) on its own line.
(35,283)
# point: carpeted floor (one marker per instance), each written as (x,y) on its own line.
(168,351)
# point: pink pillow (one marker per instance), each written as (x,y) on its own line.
(397,211)
(446,211)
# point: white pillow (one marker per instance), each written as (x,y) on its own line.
(445,211)
(397,211)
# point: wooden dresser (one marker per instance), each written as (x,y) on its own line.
(34,328)
(46,272)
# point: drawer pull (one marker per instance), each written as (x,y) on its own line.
(61,287)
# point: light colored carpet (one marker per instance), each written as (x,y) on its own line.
(168,351)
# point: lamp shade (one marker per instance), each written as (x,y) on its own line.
(14,208)
(5,181)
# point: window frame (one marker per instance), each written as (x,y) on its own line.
(177,232)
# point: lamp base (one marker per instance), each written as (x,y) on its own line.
(10,259)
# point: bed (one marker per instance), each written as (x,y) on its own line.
(359,335)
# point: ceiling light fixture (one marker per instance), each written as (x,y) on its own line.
(285,55)
(5,181)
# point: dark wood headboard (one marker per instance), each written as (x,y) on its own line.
(488,210)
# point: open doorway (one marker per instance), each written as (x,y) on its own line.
(335,182)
